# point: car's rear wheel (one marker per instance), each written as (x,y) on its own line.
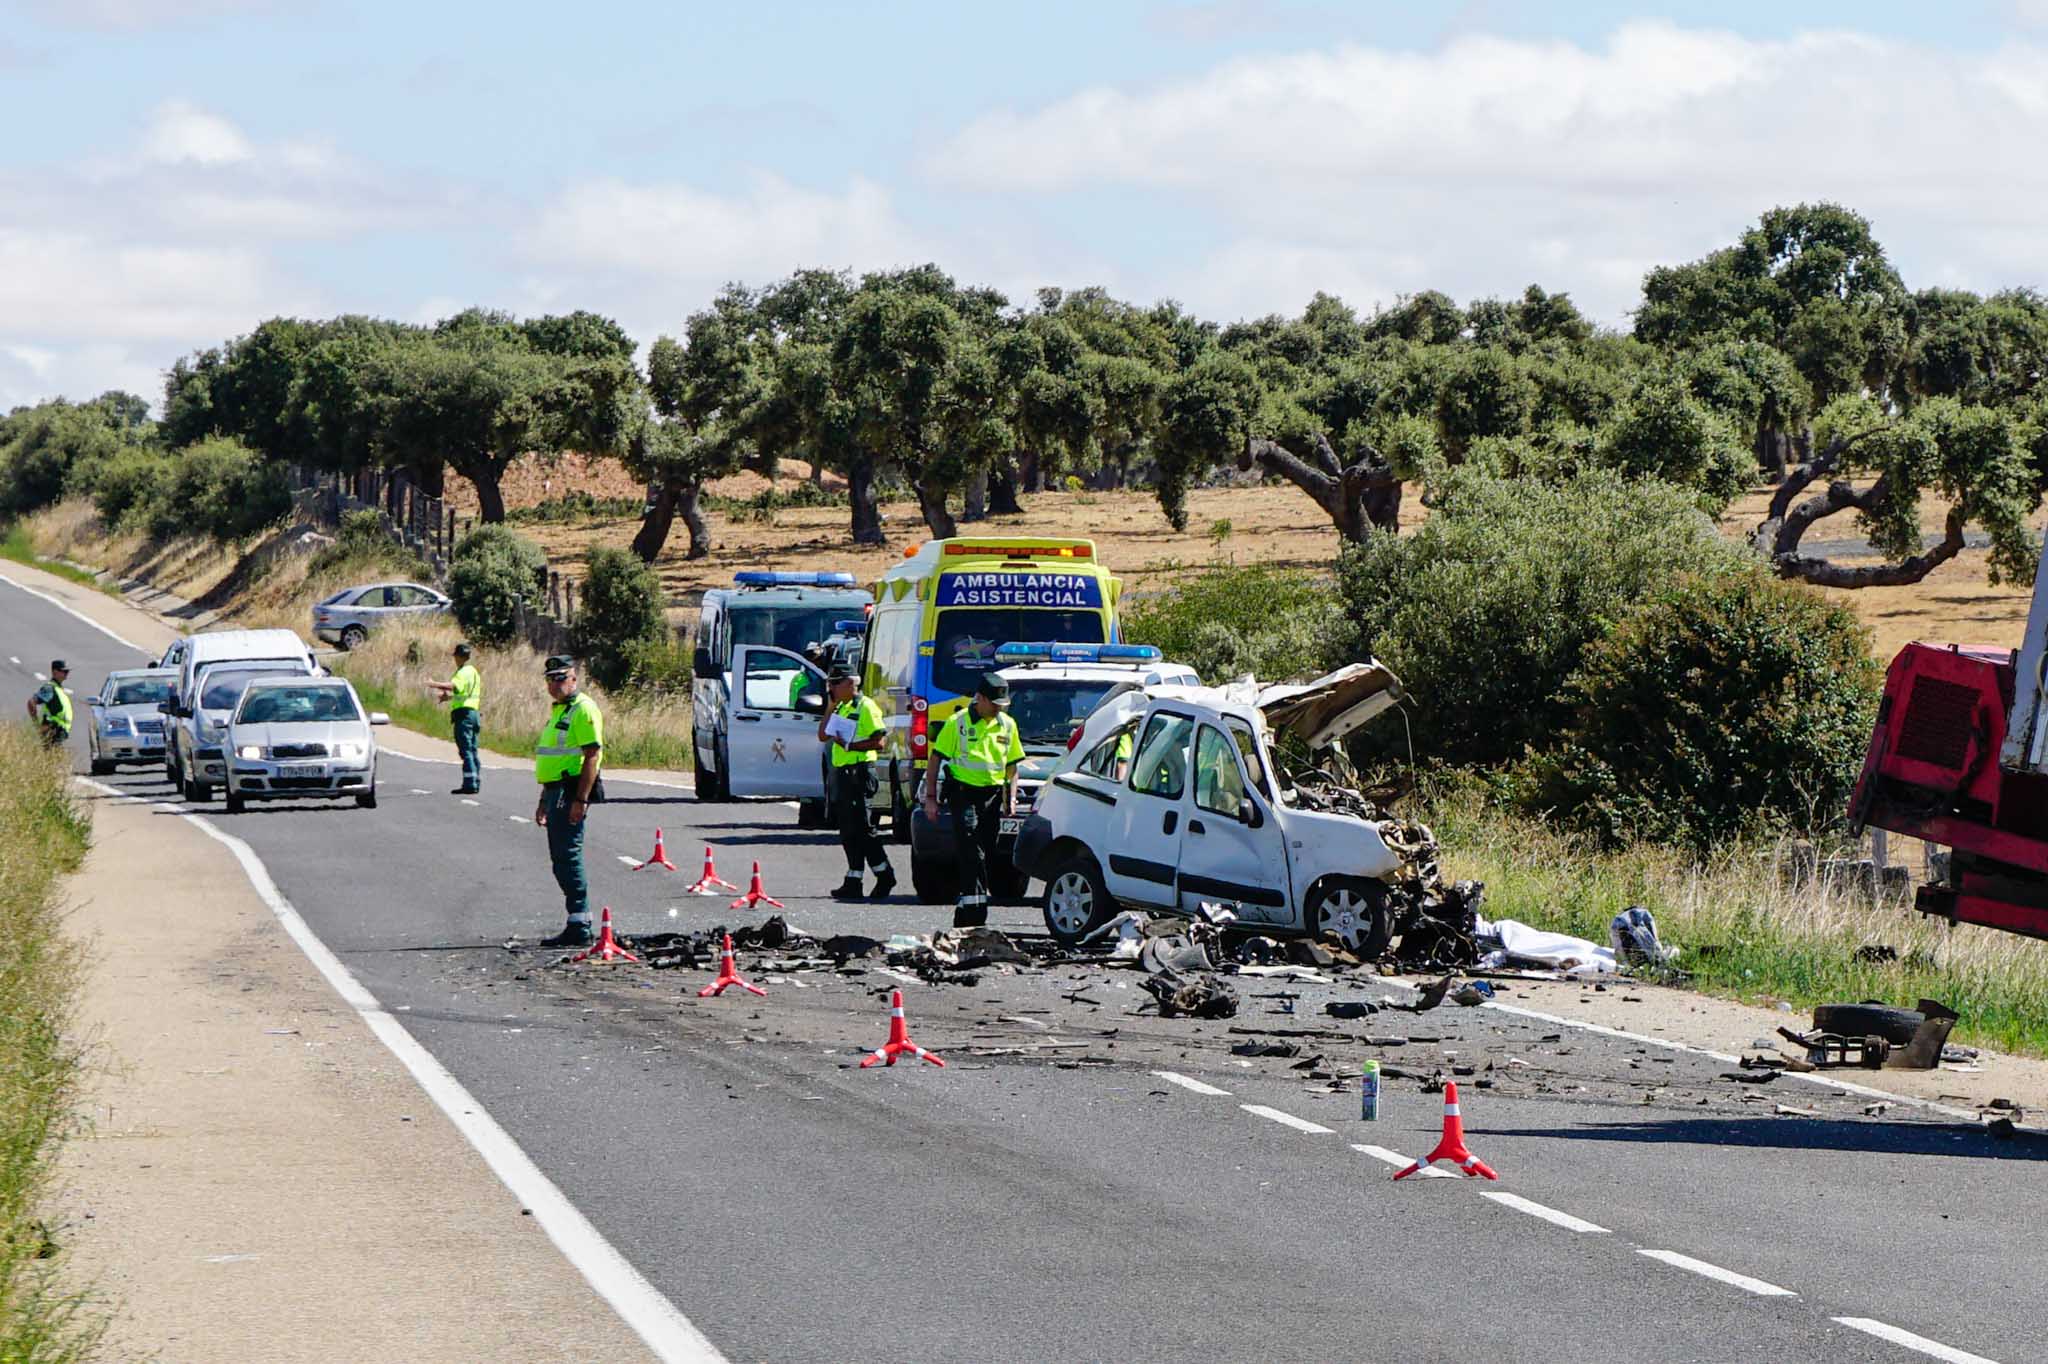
(935,883)
(1353,911)
(353,636)
(196,791)
(101,767)
(1077,901)
(810,814)
(235,803)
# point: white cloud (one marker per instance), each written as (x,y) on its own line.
(132,15)
(182,132)
(1493,162)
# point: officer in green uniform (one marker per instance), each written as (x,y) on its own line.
(982,748)
(464,693)
(50,707)
(853,783)
(565,761)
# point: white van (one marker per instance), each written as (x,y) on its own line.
(751,737)
(191,770)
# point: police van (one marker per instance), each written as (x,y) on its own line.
(938,619)
(751,736)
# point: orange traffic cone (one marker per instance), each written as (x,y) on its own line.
(1452,1145)
(606,948)
(755,896)
(709,883)
(899,1039)
(728,974)
(660,858)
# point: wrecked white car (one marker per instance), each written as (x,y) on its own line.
(1176,797)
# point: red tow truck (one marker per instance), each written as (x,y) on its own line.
(1959,758)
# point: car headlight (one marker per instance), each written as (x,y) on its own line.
(350,752)
(252,752)
(117,724)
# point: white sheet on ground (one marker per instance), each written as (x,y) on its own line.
(1560,951)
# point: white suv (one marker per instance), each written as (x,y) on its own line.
(1170,799)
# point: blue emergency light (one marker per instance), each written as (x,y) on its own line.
(1053,652)
(849,627)
(761,578)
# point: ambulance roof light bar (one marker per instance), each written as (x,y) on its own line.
(1053,652)
(761,578)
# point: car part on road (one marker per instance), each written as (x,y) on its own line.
(1198,997)
(1896,1026)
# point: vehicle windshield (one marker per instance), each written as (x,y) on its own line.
(142,691)
(1047,709)
(785,627)
(296,705)
(223,689)
(968,638)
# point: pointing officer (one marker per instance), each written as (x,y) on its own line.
(982,750)
(565,761)
(853,728)
(50,707)
(464,694)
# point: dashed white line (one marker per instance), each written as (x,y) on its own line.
(1399,1161)
(519,819)
(1550,1215)
(1285,1119)
(418,792)
(1727,1276)
(467,801)
(629,861)
(41,678)
(1192,1085)
(1933,1348)
(12,659)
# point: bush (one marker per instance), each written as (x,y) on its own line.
(620,610)
(1722,706)
(1664,432)
(1273,623)
(362,545)
(491,570)
(1484,611)
(40,447)
(131,486)
(222,488)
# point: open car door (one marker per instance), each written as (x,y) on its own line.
(773,744)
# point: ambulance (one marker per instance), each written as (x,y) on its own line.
(940,616)
(756,697)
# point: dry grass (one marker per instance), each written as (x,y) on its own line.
(43,835)
(1750,929)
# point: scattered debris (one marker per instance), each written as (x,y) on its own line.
(1432,995)
(1474,993)
(1265,1049)
(1191,997)
(1350,1008)
(1633,936)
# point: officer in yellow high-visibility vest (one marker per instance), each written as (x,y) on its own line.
(852,725)
(464,693)
(50,707)
(981,749)
(566,758)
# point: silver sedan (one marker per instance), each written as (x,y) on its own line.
(349,616)
(126,725)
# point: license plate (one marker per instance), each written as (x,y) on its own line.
(1010,826)
(310,770)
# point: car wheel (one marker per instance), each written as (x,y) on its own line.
(235,803)
(810,814)
(1353,911)
(368,799)
(1077,902)
(1005,882)
(353,637)
(934,883)
(199,791)
(705,781)
(100,767)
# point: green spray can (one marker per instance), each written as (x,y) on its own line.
(1369,1092)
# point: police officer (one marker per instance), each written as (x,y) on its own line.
(565,761)
(464,694)
(982,749)
(853,782)
(50,707)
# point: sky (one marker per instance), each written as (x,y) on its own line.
(175,171)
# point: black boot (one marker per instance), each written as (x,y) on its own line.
(885,882)
(572,935)
(849,889)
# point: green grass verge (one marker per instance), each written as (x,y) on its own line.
(1749,929)
(43,835)
(626,744)
(17,545)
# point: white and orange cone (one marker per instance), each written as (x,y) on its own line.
(1451,1146)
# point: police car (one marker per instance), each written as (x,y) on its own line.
(751,737)
(1175,797)
(1053,688)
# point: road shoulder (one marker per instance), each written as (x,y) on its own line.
(263,1180)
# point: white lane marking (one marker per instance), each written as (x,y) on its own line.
(75,615)
(467,801)
(1284,1119)
(629,861)
(416,791)
(519,819)
(1550,1215)
(41,677)
(657,1321)
(15,661)
(1727,1276)
(1400,1162)
(1935,1348)
(1196,1086)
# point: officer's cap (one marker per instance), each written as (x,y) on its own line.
(462,651)
(560,665)
(994,688)
(838,675)
(58,665)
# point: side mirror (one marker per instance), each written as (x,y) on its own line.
(94,702)
(811,703)
(1248,814)
(700,664)
(378,717)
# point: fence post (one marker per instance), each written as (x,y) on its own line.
(568,602)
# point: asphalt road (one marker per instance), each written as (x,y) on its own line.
(1073,1202)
